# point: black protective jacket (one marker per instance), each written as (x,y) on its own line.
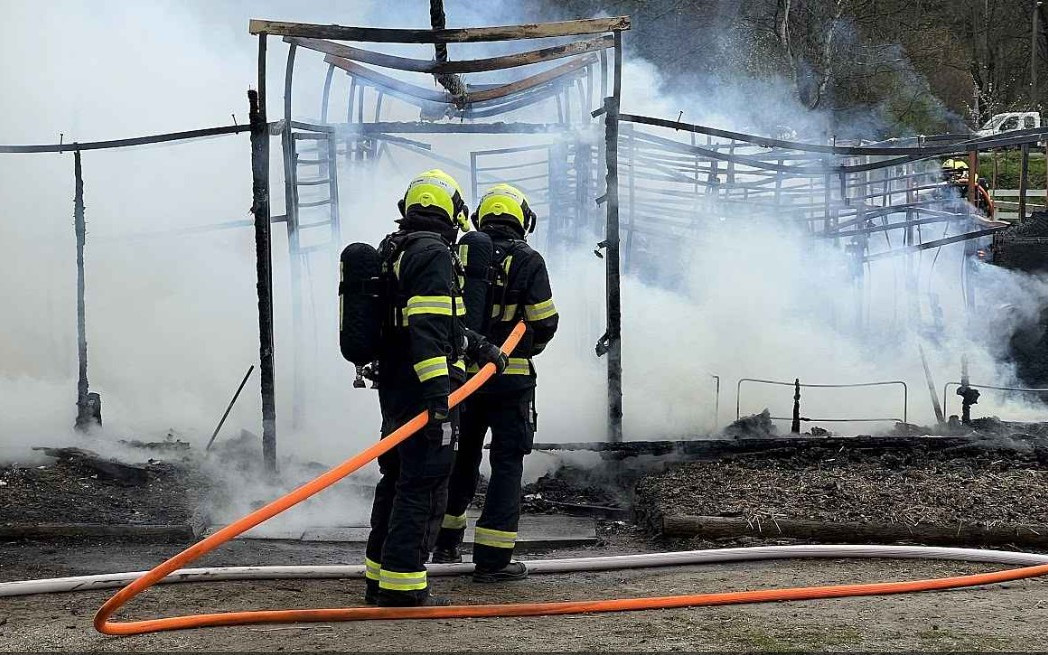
(423,340)
(522,291)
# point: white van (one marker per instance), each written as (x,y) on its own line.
(1016,120)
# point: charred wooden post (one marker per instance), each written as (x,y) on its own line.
(263,258)
(88,405)
(969,397)
(1024,179)
(795,424)
(613,338)
(973,176)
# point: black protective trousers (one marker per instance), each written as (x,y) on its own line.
(412,492)
(511,417)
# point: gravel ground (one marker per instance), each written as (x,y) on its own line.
(1009,617)
(989,488)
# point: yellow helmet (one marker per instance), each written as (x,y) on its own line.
(435,188)
(958,165)
(505,201)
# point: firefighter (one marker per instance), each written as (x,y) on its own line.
(420,361)
(506,405)
(956,173)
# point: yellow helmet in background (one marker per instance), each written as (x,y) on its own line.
(955,166)
(435,188)
(505,202)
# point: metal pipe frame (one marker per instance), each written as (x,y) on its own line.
(905,397)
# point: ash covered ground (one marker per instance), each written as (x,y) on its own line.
(991,482)
(84,488)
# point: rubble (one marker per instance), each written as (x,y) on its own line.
(750,427)
(74,491)
(105,468)
(982,484)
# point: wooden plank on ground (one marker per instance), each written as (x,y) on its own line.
(535,531)
(719,527)
(149,533)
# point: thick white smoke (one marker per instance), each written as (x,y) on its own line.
(171,314)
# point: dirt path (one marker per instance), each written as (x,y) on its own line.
(1006,617)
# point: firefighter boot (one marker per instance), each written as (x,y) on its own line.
(446,555)
(371,592)
(509,573)
(387,599)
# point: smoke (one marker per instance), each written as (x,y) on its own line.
(172,322)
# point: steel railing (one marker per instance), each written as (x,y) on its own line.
(905,399)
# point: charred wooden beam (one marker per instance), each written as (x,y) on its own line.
(720,527)
(533,81)
(389,84)
(1014,138)
(934,244)
(106,468)
(180,534)
(418,93)
(466,66)
(125,143)
(456,35)
(449,128)
(263,258)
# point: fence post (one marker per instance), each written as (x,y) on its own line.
(795,426)
(1024,181)
(88,405)
(263,258)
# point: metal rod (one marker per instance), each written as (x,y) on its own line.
(291,207)
(716,400)
(263,259)
(326,96)
(229,408)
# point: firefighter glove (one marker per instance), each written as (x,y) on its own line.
(439,412)
(482,351)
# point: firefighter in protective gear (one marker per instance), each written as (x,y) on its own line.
(506,405)
(957,173)
(421,360)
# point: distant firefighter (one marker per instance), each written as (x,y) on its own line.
(957,174)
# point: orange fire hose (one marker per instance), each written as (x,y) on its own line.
(103,625)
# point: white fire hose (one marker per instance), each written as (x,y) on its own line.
(611,563)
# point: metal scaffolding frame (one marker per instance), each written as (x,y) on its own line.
(364,136)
